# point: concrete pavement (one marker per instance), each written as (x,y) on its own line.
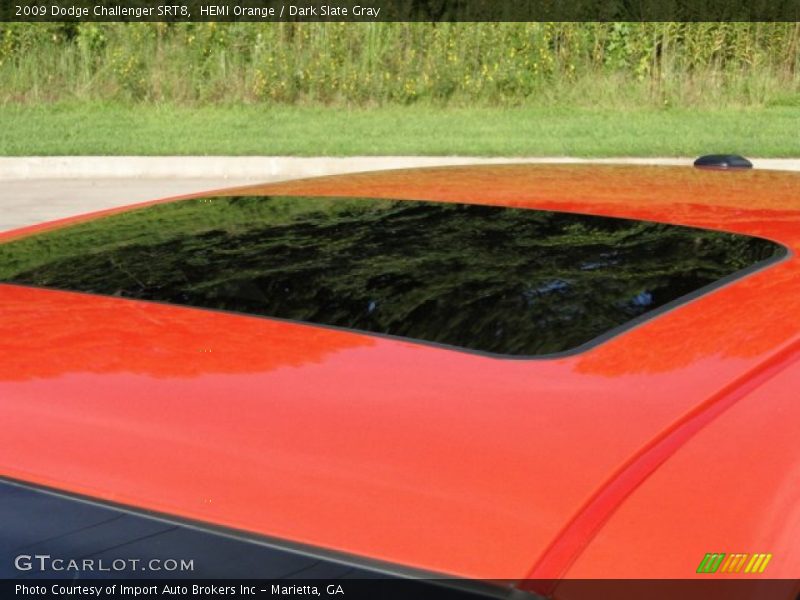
(284,167)
(30,201)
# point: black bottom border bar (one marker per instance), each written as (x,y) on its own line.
(391,589)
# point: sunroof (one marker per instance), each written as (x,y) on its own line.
(507,281)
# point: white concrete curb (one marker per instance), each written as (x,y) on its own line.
(256,167)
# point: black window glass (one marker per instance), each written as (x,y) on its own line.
(508,281)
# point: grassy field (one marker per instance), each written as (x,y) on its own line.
(511,89)
(141,129)
(616,65)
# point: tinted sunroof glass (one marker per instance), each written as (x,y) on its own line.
(502,280)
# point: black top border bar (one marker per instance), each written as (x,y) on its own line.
(273,11)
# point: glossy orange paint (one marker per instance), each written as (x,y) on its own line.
(432,458)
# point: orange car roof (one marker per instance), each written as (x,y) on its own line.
(381,448)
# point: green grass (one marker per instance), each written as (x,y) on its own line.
(142,129)
(511,89)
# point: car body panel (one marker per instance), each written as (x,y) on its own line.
(731,488)
(434,458)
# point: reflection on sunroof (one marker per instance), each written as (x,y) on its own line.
(508,281)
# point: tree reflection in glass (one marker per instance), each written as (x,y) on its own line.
(502,280)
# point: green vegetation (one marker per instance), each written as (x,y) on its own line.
(584,89)
(613,65)
(102,129)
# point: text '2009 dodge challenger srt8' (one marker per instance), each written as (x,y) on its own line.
(515,374)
